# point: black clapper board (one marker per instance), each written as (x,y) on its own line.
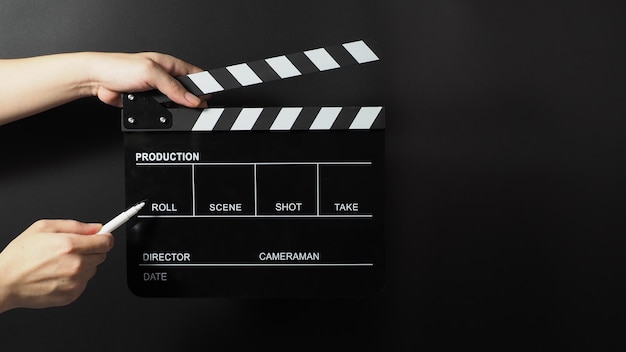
(256,202)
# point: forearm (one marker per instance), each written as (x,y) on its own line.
(32,85)
(6,300)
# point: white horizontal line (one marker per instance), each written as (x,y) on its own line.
(251,264)
(261,163)
(260,216)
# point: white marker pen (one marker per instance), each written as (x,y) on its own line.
(122,218)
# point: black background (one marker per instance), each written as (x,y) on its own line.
(504,166)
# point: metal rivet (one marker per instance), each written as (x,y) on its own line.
(131,120)
(163,119)
(131,97)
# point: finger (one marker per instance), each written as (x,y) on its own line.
(66,226)
(96,244)
(172,65)
(110,97)
(174,90)
(168,84)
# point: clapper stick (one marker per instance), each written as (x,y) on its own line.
(276,68)
(145,111)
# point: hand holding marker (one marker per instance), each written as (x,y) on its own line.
(122,218)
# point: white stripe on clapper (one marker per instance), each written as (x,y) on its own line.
(325,118)
(285,119)
(246,119)
(207,119)
(360,51)
(365,117)
(283,67)
(205,82)
(321,59)
(244,74)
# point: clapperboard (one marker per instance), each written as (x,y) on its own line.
(256,201)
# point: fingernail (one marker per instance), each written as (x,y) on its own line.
(192,98)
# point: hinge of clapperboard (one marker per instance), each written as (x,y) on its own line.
(148,110)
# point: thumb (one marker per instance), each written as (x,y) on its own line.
(174,90)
